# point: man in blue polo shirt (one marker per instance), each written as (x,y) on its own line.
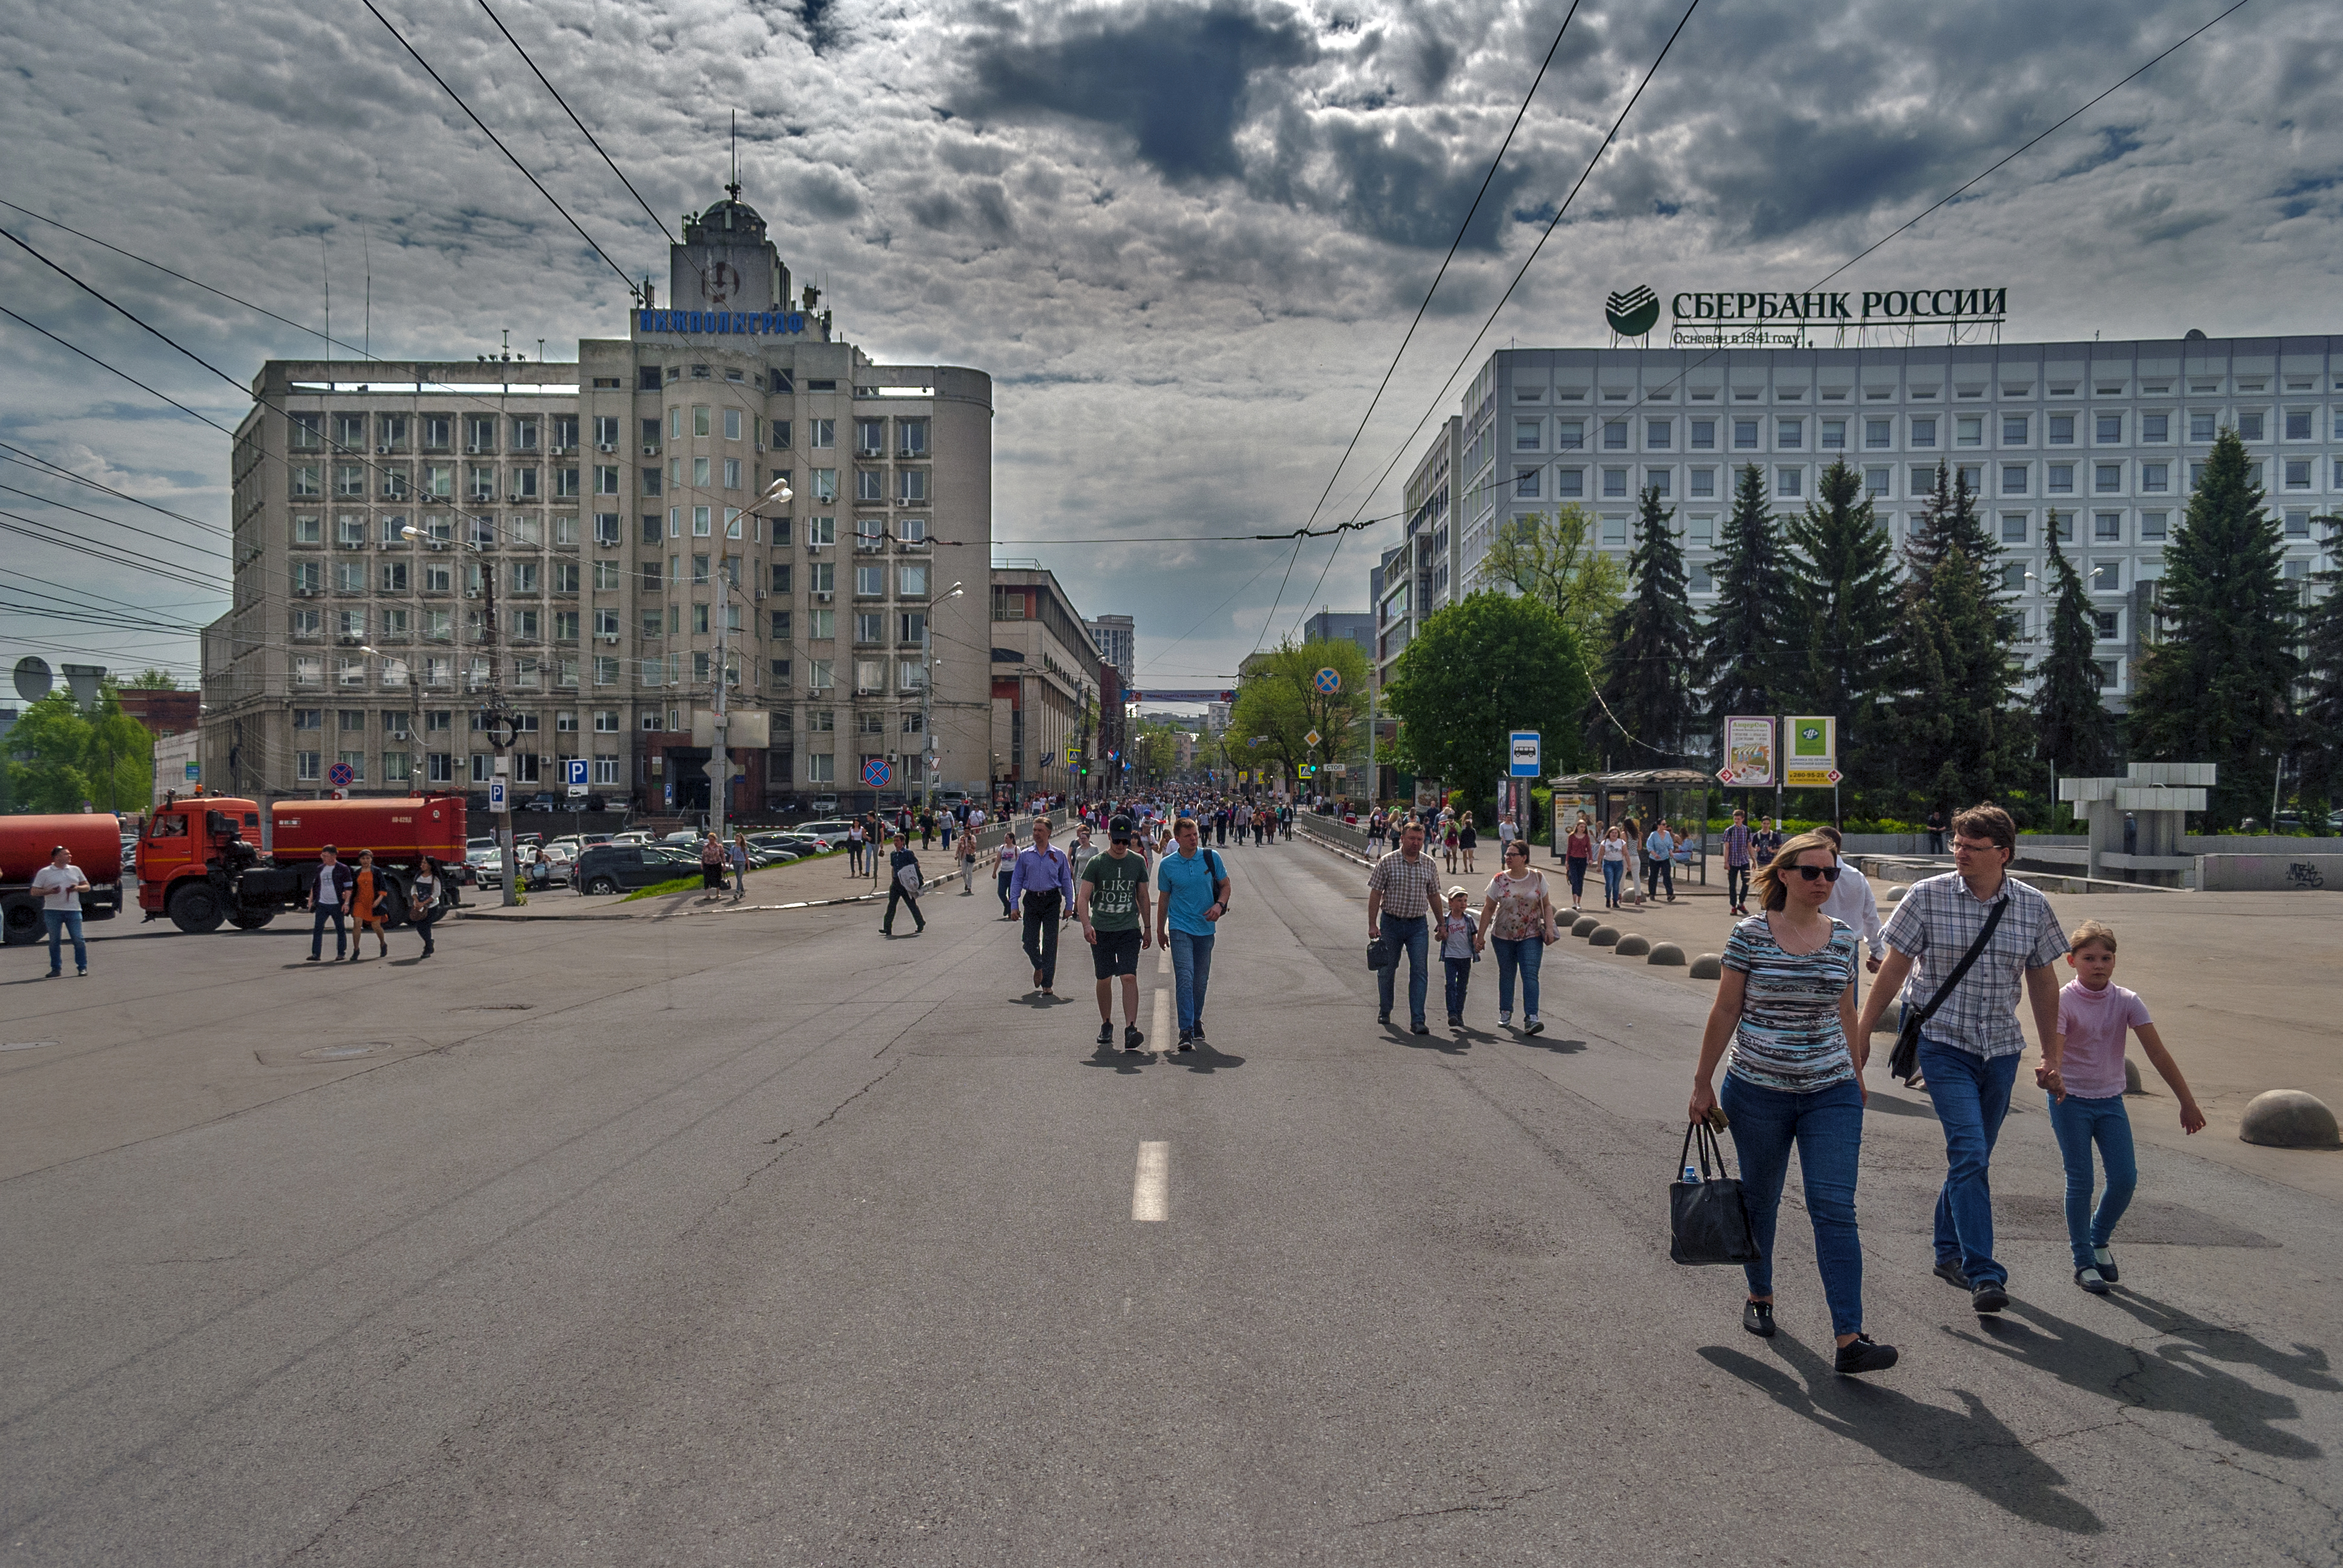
(1194,894)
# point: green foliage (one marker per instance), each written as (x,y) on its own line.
(1479,668)
(2217,689)
(1278,699)
(59,756)
(1553,559)
(152,679)
(2073,733)
(1747,663)
(1961,738)
(2321,711)
(1647,682)
(1846,599)
(1949,521)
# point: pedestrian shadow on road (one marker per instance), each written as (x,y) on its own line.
(1888,1105)
(2178,1379)
(1126,1062)
(1547,1043)
(1970,1447)
(2304,1367)
(1206,1058)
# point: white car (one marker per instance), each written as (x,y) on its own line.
(488,865)
(632,836)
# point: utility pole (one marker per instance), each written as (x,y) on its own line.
(720,755)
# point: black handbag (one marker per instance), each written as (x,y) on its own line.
(1383,953)
(1904,1062)
(1707,1221)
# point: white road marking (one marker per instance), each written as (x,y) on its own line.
(1164,964)
(1162,1035)
(1149,1199)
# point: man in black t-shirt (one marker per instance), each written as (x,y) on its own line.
(1111,901)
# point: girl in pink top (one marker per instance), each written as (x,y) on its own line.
(2084,1075)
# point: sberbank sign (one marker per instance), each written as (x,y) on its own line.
(1827,307)
(1773,317)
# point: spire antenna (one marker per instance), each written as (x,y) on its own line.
(734,189)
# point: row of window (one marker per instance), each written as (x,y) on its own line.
(525,485)
(389,433)
(530,531)
(1792,433)
(519,579)
(1789,483)
(2101,387)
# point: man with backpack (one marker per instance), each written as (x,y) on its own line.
(1194,889)
(904,884)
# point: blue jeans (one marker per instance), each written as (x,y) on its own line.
(1414,933)
(1002,887)
(1460,977)
(60,921)
(317,929)
(1191,972)
(1971,1095)
(1525,955)
(2077,1123)
(1613,873)
(1828,1127)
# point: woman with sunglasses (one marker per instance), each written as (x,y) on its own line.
(1786,1005)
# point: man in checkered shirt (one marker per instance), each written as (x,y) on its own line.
(1399,895)
(1969,1049)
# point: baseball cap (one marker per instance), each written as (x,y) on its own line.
(1119,830)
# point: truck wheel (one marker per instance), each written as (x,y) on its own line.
(252,920)
(600,885)
(197,909)
(20,919)
(394,900)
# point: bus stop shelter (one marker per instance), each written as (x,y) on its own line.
(1678,794)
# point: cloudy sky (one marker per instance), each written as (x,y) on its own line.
(1185,239)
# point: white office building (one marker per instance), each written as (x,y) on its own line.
(2106,434)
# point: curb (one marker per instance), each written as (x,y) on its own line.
(1332,847)
(932,885)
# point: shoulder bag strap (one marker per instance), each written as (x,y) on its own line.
(1968,958)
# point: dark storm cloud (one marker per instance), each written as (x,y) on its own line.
(1402,185)
(1176,79)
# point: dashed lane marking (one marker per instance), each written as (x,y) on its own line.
(1150,1192)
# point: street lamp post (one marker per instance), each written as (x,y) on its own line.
(503,727)
(927,700)
(719,753)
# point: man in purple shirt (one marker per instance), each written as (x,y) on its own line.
(1042,884)
(1738,843)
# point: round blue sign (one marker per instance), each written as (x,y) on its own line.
(341,776)
(876,773)
(1330,681)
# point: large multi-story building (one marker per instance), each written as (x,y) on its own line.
(419,544)
(1336,626)
(1045,686)
(2107,436)
(1118,643)
(1420,574)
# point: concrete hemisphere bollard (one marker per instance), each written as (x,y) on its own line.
(1632,945)
(1666,953)
(1708,966)
(2132,1084)
(1895,894)
(2287,1118)
(1584,925)
(1602,935)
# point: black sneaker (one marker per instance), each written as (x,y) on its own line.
(1419,1027)
(1106,1034)
(1132,1038)
(2107,1263)
(1382,1018)
(1860,1355)
(1988,1297)
(1951,1274)
(1758,1317)
(1196,1035)
(1187,1039)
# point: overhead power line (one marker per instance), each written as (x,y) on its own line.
(500,146)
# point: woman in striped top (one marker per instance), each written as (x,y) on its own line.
(1786,1006)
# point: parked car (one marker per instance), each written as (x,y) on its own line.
(631,836)
(487,865)
(799,844)
(608,869)
(684,836)
(543,802)
(834,829)
(588,840)
(823,806)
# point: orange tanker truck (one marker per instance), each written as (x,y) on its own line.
(25,845)
(200,861)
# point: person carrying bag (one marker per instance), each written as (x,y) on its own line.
(1708,1222)
(1904,1062)
(1786,1006)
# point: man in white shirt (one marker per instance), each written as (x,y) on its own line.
(331,887)
(60,884)
(1851,901)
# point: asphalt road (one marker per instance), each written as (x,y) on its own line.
(735,1238)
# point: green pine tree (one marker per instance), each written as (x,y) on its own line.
(1847,602)
(1655,652)
(1949,520)
(2321,710)
(2073,731)
(2218,686)
(1747,664)
(1961,738)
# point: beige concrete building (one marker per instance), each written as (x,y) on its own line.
(418,544)
(1045,672)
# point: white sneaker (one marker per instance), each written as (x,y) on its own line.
(1504,1020)
(1530,1024)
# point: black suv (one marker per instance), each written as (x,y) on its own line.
(623,867)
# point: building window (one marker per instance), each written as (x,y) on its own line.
(911,581)
(1614,483)
(911,487)
(2298,524)
(1745,434)
(2106,577)
(2062,479)
(1569,483)
(870,581)
(1698,578)
(1876,482)
(1569,434)
(1924,432)
(2249,426)
(1658,433)
(2013,478)
(1704,435)
(1792,433)
(305,767)
(1876,433)
(2013,429)
(2152,525)
(2012,528)
(1614,530)
(1615,437)
(1789,483)
(2106,477)
(1657,478)
(1525,483)
(2106,528)
(1525,435)
(2298,473)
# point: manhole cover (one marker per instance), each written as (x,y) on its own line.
(339,1052)
(26,1044)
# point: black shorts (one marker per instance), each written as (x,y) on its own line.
(1117,953)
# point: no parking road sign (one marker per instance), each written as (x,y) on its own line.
(876,773)
(1328,681)
(341,776)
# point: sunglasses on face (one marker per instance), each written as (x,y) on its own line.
(1828,873)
